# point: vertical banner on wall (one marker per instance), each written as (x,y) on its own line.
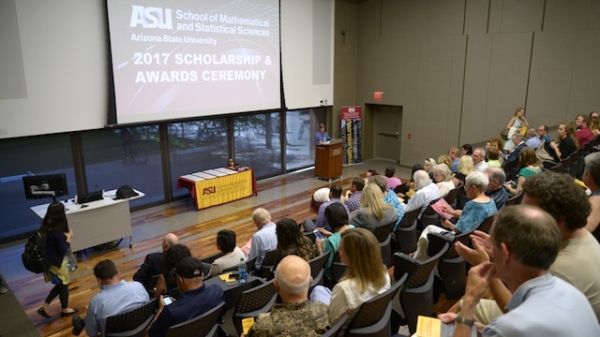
(352,134)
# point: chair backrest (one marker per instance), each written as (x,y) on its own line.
(250,264)
(253,301)
(409,218)
(311,236)
(486,225)
(211,258)
(268,262)
(198,326)
(452,194)
(371,311)
(335,330)
(418,272)
(255,298)
(338,269)
(131,319)
(317,264)
(381,233)
(514,199)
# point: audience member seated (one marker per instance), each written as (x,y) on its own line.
(392,181)
(476,210)
(591,177)
(167,280)
(426,192)
(194,300)
(566,143)
(154,263)
(466,150)
(478,157)
(335,194)
(454,154)
(595,125)
(389,197)
(445,159)
(115,296)
(495,189)
(428,165)
(370,173)
(291,241)
(465,166)
(366,276)
(265,239)
(353,194)
(524,242)
(295,315)
(406,190)
(373,212)
(493,158)
(320,197)
(226,243)
(443,179)
(528,166)
(498,144)
(517,139)
(584,134)
(577,261)
(533,140)
(338,219)
(514,126)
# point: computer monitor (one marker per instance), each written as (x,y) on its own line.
(51,185)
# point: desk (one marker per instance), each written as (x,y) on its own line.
(233,290)
(100,222)
(216,187)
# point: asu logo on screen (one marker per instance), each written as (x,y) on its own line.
(151,17)
(209,190)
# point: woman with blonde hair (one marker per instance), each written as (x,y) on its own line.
(528,166)
(465,166)
(366,276)
(373,211)
(516,123)
(445,159)
(566,143)
(428,164)
(443,179)
(594,125)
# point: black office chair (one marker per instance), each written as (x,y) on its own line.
(406,233)
(515,199)
(204,325)
(430,216)
(452,196)
(252,302)
(334,331)
(317,269)
(268,263)
(211,258)
(384,236)
(132,323)
(373,317)
(416,298)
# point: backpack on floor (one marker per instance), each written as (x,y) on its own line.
(34,257)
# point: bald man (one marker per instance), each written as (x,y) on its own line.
(296,315)
(154,262)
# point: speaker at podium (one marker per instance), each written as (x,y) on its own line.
(328,160)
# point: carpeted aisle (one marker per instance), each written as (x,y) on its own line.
(14,321)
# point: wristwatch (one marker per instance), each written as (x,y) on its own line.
(461,320)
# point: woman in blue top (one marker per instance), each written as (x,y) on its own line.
(476,210)
(337,217)
(58,242)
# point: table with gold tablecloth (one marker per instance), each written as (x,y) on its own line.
(209,190)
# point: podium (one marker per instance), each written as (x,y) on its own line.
(328,160)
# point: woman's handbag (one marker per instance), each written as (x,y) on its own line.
(504,134)
(71,261)
(541,153)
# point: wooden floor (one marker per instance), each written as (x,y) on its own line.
(83,286)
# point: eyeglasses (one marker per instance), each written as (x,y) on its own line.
(467,186)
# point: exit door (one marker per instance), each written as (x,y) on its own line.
(388,127)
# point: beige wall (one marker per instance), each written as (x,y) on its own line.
(460,68)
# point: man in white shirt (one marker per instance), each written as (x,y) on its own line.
(426,191)
(479,159)
(263,240)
